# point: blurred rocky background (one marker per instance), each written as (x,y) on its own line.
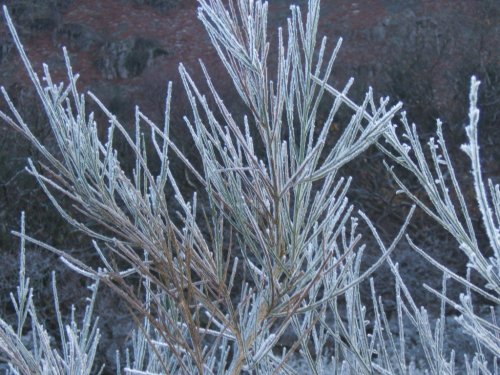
(421,52)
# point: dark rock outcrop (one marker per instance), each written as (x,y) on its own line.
(127,58)
(5,48)
(31,16)
(77,36)
(161,4)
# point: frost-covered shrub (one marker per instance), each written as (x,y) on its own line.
(272,215)
(29,349)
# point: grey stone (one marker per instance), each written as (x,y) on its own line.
(162,4)
(127,58)
(31,16)
(5,48)
(77,36)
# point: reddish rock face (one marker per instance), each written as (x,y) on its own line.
(435,40)
(422,52)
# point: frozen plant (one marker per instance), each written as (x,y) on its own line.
(458,222)
(30,349)
(276,209)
